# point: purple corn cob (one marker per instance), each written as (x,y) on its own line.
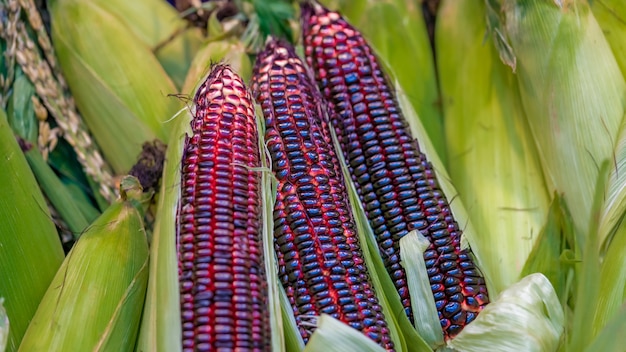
(223,286)
(321,265)
(396,183)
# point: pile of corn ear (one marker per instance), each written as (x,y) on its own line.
(312,175)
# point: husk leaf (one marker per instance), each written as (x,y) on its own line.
(119,86)
(527,316)
(611,16)
(30,249)
(161,324)
(572,91)
(412,248)
(281,335)
(94,301)
(331,335)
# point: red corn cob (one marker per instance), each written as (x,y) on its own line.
(321,264)
(222,278)
(395,181)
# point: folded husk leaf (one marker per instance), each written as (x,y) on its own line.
(30,249)
(412,248)
(95,299)
(527,316)
(553,254)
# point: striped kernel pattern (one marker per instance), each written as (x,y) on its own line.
(395,181)
(321,264)
(223,287)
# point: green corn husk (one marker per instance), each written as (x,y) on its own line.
(76,212)
(177,54)
(587,289)
(573,94)
(159,26)
(73,208)
(605,340)
(397,32)
(422,301)
(553,254)
(117,82)
(611,16)
(160,21)
(94,302)
(612,281)
(21,110)
(160,328)
(30,249)
(493,160)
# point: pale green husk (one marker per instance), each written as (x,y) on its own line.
(606,340)
(573,94)
(159,26)
(493,160)
(331,335)
(527,316)
(95,300)
(30,249)
(161,325)
(611,16)
(612,281)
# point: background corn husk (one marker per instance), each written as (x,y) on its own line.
(30,250)
(572,91)
(123,101)
(493,160)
